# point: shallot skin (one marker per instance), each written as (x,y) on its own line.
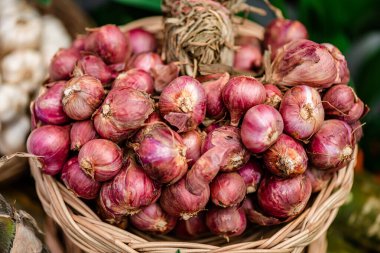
(240,94)
(286,157)
(141,40)
(93,65)
(262,125)
(302,111)
(183,103)
(274,95)
(145,61)
(215,108)
(177,201)
(226,222)
(192,228)
(255,215)
(227,189)
(48,106)
(193,141)
(154,220)
(281,31)
(81,132)
(62,64)
(52,144)
(136,79)
(331,148)
(318,178)
(109,43)
(252,174)
(228,138)
(161,152)
(101,159)
(284,197)
(77,181)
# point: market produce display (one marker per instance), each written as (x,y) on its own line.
(213,152)
(27,42)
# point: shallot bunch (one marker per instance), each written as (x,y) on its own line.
(196,155)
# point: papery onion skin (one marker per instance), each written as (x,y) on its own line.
(261,127)
(357,131)
(192,228)
(215,108)
(251,172)
(286,157)
(145,61)
(81,132)
(240,94)
(141,40)
(51,143)
(341,102)
(274,95)
(79,182)
(136,79)
(281,31)
(101,159)
(228,189)
(318,178)
(183,103)
(48,106)
(248,56)
(283,197)
(302,111)
(123,111)
(62,64)
(341,64)
(163,75)
(132,189)
(193,141)
(154,220)
(79,42)
(161,152)
(229,138)
(109,43)
(107,214)
(304,62)
(204,170)
(177,201)
(331,148)
(255,215)
(93,65)
(226,222)
(82,96)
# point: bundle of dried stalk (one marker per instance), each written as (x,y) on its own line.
(198,32)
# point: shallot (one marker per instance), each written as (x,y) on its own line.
(227,189)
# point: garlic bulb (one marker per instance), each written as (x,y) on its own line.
(13,135)
(12,102)
(21,29)
(23,66)
(54,37)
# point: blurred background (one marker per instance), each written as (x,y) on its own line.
(352,26)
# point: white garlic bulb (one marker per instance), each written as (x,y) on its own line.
(54,37)
(23,66)
(20,30)
(13,135)
(13,102)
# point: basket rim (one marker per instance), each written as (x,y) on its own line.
(91,234)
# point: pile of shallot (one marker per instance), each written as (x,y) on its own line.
(165,152)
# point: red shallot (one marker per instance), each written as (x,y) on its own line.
(135,78)
(261,127)
(62,64)
(100,159)
(79,182)
(81,132)
(240,94)
(251,173)
(227,189)
(193,141)
(154,220)
(51,143)
(183,103)
(141,40)
(286,157)
(176,200)
(302,111)
(82,96)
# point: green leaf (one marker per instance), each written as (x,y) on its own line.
(44,2)
(178,251)
(151,5)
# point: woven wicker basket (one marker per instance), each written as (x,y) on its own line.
(75,21)
(91,234)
